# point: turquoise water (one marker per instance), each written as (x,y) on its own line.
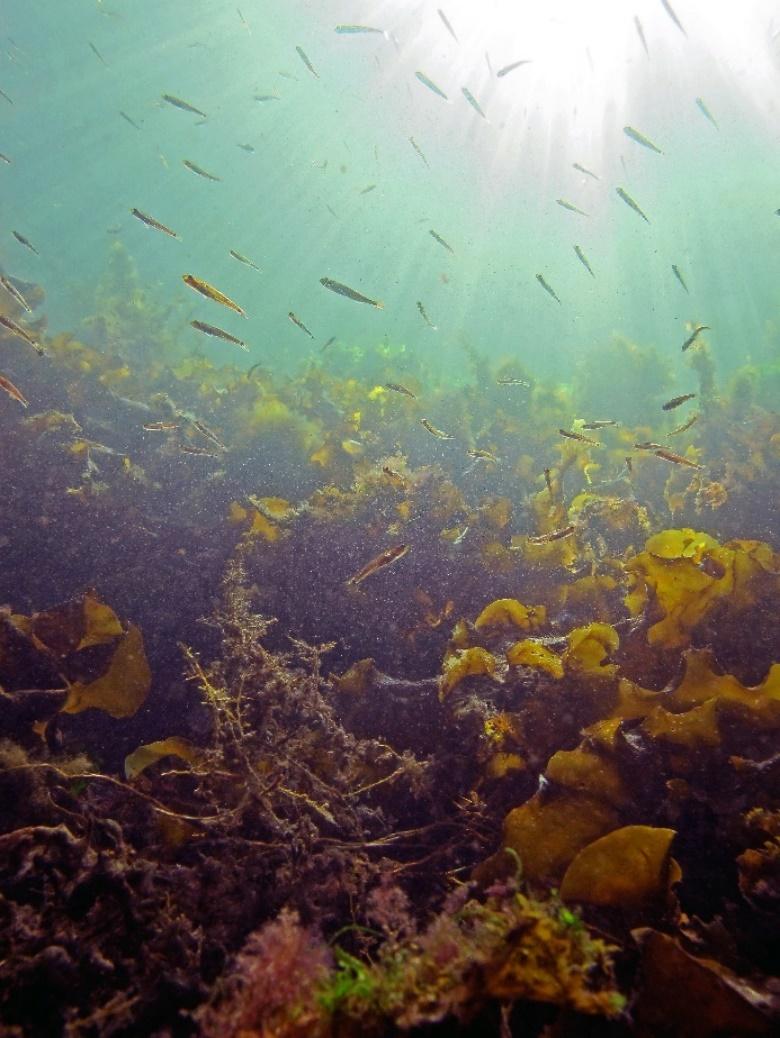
(489,189)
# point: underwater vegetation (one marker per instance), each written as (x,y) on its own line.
(366,702)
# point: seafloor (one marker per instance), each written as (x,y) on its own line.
(522,780)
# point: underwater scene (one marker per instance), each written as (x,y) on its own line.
(389,530)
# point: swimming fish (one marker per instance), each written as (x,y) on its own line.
(434,431)
(548,288)
(431,85)
(385,558)
(13,291)
(441,241)
(706,112)
(416,147)
(15,394)
(330,342)
(549,482)
(568,205)
(218,333)
(583,260)
(204,430)
(685,426)
(160,426)
(297,321)
(510,68)
(640,138)
(245,260)
(199,452)
(425,317)
(7,161)
(7,98)
(630,202)
(210,292)
(350,293)
(694,336)
(307,63)
(151,222)
(22,333)
(199,170)
(23,241)
(603,423)
(678,275)
(587,172)
(482,455)
(398,388)
(676,459)
(266,97)
(507,380)
(245,147)
(641,34)
(447,25)
(185,106)
(97,53)
(648,445)
(579,437)
(667,7)
(472,101)
(676,401)
(553,535)
(370,187)
(356,30)
(127,119)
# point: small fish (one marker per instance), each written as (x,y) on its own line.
(161,426)
(23,241)
(587,172)
(330,342)
(630,202)
(677,459)
(357,30)
(245,260)
(5,159)
(307,63)
(267,97)
(218,333)
(507,380)
(12,290)
(416,147)
(371,187)
(641,34)
(676,401)
(425,317)
(151,222)
(447,25)
(185,106)
(685,426)
(482,455)
(431,85)
(199,452)
(7,98)
(510,68)
(553,535)
(245,147)
(398,388)
(673,16)
(629,466)
(15,394)
(548,288)
(385,558)
(640,138)
(212,293)
(584,260)
(22,333)
(461,535)
(199,170)
(441,241)
(549,482)
(678,275)
(127,119)
(568,205)
(97,53)
(706,112)
(579,437)
(297,321)
(434,431)
(648,445)
(487,62)
(204,430)
(395,477)
(350,293)
(472,101)
(243,20)
(603,423)
(694,336)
